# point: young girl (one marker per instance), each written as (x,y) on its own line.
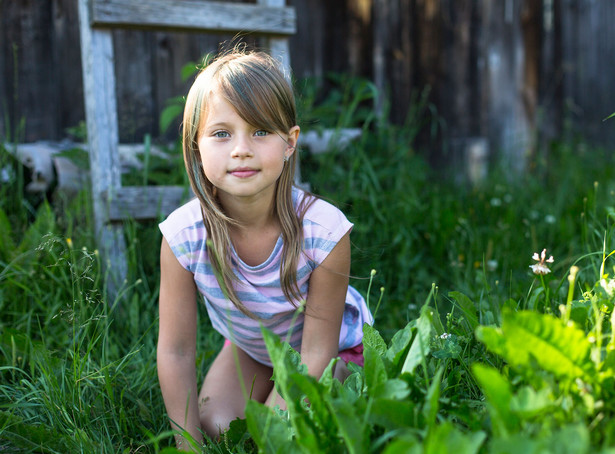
(253,245)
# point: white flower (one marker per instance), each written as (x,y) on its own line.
(445,336)
(540,267)
(550,219)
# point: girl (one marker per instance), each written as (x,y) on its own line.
(255,247)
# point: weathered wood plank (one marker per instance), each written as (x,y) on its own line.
(193,15)
(101,118)
(145,202)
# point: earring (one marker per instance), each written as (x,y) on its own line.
(286,158)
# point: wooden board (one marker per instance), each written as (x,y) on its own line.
(145,202)
(193,15)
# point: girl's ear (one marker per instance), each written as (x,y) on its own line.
(293,138)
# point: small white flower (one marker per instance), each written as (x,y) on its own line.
(445,336)
(541,268)
(492,265)
(495,202)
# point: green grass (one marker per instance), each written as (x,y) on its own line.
(456,300)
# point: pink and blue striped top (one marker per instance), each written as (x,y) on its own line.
(259,286)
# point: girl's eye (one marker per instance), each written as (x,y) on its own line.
(261,133)
(221,134)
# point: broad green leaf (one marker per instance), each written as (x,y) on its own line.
(420,346)
(399,345)
(446,438)
(527,403)
(318,419)
(515,444)
(560,349)
(406,444)
(432,400)
(375,372)
(499,395)
(352,426)
(468,308)
(571,439)
(392,414)
(372,339)
(270,433)
(326,379)
(391,389)
(286,370)
(174,109)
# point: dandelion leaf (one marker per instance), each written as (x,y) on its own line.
(398,348)
(392,414)
(516,444)
(375,371)
(372,339)
(528,403)
(394,388)
(432,399)
(571,439)
(447,438)
(420,345)
(499,395)
(352,426)
(405,444)
(271,434)
(559,348)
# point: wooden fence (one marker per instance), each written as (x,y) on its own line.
(503,72)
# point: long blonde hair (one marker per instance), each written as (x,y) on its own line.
(254,85)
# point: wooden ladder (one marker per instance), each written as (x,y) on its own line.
(112,202)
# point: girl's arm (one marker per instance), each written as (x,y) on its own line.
(323,313)
(176,354)
(325,308)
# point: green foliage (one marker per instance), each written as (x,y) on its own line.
(470,351)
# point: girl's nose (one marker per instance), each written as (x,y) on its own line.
(242,149)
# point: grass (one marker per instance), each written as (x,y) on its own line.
(452,286)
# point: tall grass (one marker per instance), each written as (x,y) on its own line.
(77,372)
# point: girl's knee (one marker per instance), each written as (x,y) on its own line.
(214,423)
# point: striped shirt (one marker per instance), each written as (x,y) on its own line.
(258,287)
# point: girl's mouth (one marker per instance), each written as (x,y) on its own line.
(243,172)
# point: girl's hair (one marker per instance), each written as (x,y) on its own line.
(254,85)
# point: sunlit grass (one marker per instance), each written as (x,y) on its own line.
(78,372)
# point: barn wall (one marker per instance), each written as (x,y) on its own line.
(512,71)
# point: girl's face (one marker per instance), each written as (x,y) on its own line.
(241,160)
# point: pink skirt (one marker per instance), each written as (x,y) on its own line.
(354,354)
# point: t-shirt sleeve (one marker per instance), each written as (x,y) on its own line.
(183,229)
(323,227)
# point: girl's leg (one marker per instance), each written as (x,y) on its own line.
(221,399)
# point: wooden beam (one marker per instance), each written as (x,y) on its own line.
(145,202)
(101,117)
(195,15)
